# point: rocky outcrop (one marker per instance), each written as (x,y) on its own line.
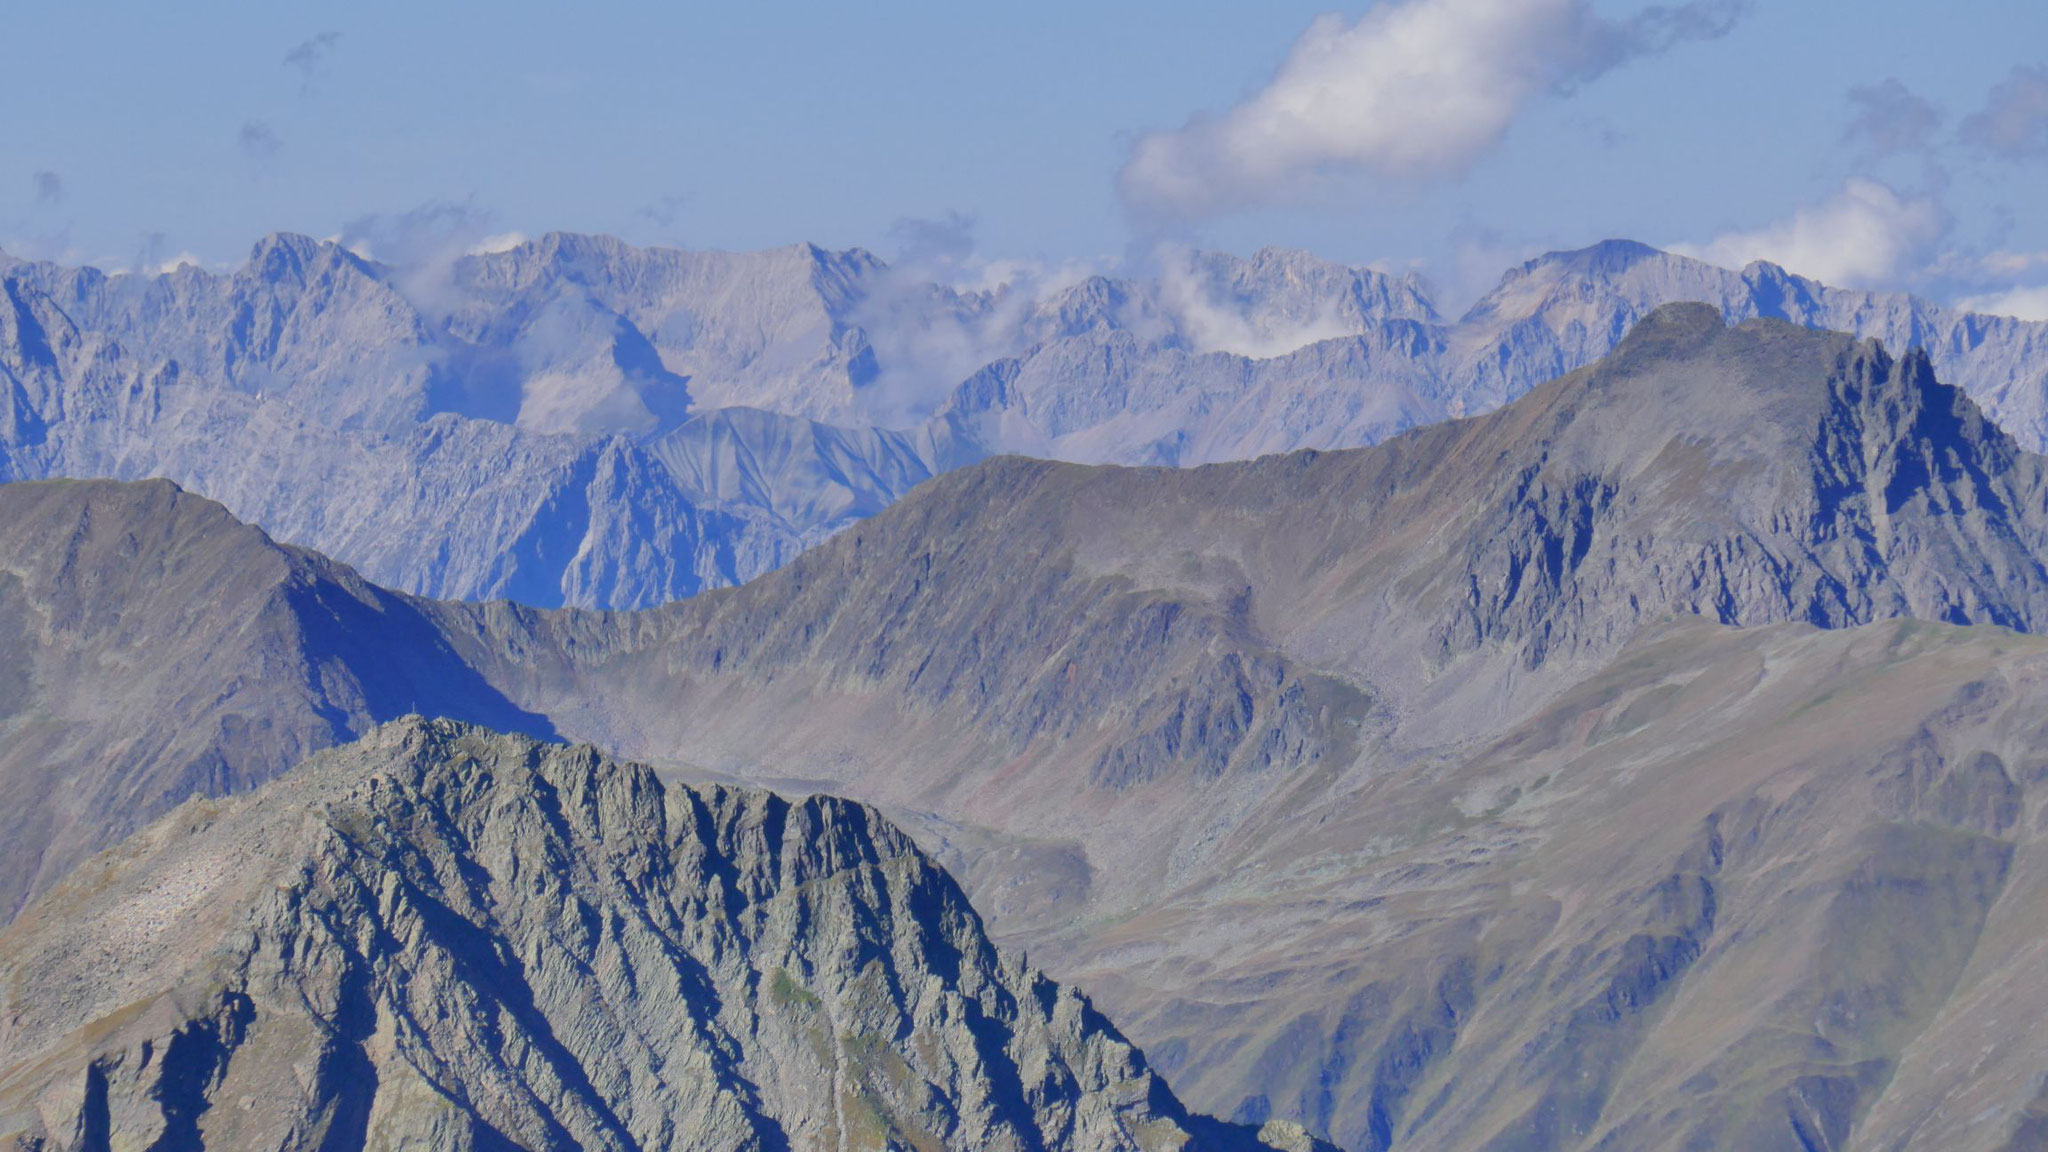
(445,937)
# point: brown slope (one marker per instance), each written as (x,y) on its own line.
(1743,889)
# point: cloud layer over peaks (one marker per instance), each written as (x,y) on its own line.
(1413,90)
(1862,236)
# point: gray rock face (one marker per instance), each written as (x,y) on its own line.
(577,421)
(442,937)
(1181,623)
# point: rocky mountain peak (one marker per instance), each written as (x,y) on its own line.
(446,937)
(287,255)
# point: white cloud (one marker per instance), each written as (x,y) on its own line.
(492,245)
(2004,263)
(1863,235)
(1412,90)
(2021,303)
(925,345)
(152,266)
(1213,322)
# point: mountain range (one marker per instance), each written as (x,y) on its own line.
(575,421)
(1554,778)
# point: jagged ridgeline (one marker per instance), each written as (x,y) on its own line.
(442,937)
(577,421)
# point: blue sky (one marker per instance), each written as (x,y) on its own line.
(1889,144)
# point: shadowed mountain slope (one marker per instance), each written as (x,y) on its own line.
(153,648)
(450,938)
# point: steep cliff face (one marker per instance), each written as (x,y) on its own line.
(446,937)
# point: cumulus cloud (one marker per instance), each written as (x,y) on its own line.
(424,244)
(1864,235)
(257,140)
(500,242)
(1890,119)
(2021,303)
(49,188)
(2013,124)
(310,55)
(1414,90)
(942,311)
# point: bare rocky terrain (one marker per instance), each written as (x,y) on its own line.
(444,937)
(1650,763)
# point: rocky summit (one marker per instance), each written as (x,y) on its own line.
(442,937)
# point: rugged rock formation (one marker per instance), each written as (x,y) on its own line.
(444,937)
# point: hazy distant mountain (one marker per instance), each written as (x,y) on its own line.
(579,421)
(1565,310)
(1395,790)
(316,394)
(442,937)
